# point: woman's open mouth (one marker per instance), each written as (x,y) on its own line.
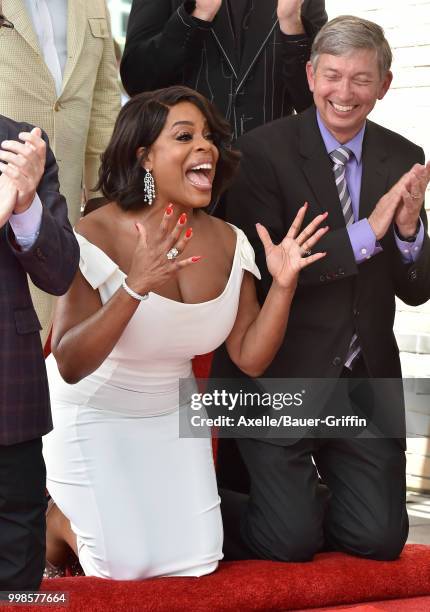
(201,176)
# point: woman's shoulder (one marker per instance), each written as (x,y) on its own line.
(225,234)
(96,227)
(233,240)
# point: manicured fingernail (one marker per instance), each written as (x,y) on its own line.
(196,258)
(188,232)
(183,219)
(169,209)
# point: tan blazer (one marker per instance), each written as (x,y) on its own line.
(79,122)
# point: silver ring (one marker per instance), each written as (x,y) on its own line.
(307,252)
(173,253)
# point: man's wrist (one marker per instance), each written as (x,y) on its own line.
(202,15)
(408,233)
(292,26)
(21,208)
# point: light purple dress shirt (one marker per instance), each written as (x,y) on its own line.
(26,225)
(361,235)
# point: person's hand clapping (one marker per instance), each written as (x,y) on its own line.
(289,15)
(408,212)
(285,260)
(206,10)
(154,261)
(8,197)
(24,167)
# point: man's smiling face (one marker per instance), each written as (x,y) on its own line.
(346,88)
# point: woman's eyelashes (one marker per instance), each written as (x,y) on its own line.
(187,136)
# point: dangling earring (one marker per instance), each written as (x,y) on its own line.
(149,187)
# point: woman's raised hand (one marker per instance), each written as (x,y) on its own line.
(154,260)
(285,260)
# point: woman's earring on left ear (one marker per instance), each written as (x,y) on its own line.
(149,187)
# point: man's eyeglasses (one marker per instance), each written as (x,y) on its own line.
(5,23)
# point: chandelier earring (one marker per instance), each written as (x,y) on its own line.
(149,187)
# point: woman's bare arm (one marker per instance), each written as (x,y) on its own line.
(258,333)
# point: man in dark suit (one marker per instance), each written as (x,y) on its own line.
(247,56)
(341,320)
(35,239)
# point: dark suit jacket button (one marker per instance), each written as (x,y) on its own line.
(355,312)
(413,275)
(329,276)
(337,361)
(340,271)
(322,278)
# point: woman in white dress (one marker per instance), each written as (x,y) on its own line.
(159,282)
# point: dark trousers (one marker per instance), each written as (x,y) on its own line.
(22,515)
(316,494)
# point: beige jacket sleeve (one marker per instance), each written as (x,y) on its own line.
(105,107)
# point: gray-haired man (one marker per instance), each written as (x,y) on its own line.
(341,322)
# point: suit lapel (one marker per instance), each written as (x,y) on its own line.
(223,33)
(16,11)
(317,168)
(76,17)
(374,180)
(262,22)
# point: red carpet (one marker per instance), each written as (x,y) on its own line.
(332,579)
(414,604)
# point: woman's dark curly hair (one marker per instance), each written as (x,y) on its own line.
(139,124)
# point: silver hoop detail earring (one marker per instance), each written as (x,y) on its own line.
(149,187)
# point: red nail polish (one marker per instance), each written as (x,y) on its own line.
(188,232)
(169,209)
(196,258)
(183,219)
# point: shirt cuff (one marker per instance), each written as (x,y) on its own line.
(363,241)
(26,225)
(410,251)
(295,38)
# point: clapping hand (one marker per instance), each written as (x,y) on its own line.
(206,9)
(8,197)
(408,212)
(289,15)
(21,174)
(285,260)
(154,259)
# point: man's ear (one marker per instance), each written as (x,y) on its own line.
(311,75)
(385,85)
(144,157)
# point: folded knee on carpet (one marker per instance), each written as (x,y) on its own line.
(379,542)
(285,543)
(126,565)
(382,545)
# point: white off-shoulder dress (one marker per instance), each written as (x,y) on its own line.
(142,501)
